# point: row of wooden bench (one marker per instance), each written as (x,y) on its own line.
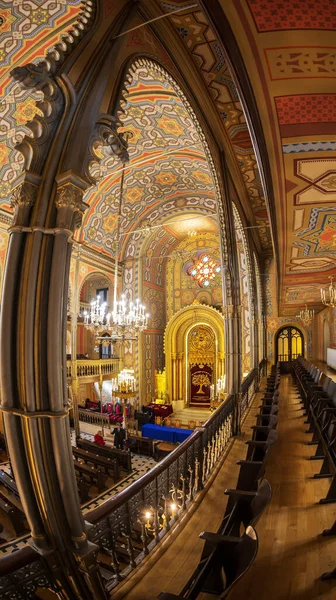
(100,462)
(233,548)
(93,465)
(318,395)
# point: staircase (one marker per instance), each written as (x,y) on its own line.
(192,414)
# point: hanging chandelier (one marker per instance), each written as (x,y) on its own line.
(126,320)
(306,316)
(95,318)
(204,269)
(328,296)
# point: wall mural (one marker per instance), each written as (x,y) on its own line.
(182,290)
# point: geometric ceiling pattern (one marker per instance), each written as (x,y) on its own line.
(208,54)
(167,175)
(28,30)
(289,52)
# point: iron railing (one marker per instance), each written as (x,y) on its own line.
(128,526)
(248,388)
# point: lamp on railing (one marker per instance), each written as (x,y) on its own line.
(328,296)
(306,316)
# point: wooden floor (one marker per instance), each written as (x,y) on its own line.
(292,554)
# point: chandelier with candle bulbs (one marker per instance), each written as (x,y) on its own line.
(328,296)
(126,319)
(306,316)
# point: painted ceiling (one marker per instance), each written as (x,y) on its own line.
(28,31)
(290,53)
(207,52)
(168,175)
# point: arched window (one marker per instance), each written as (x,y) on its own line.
(105,348)
(289,344)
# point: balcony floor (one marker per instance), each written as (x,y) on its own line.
(292,554)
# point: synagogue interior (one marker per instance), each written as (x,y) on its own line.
(167,302)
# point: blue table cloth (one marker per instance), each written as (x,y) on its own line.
(166,434)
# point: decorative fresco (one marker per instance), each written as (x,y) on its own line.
(28,31)
(181,289)
(279,16)
(292,70)
(298,62)
(209,56)
(167,165)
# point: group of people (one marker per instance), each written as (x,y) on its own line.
(119,437)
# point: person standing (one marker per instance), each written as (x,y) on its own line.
(119,436)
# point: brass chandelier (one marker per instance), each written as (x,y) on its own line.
(126,319)
(306,316)
(328,296)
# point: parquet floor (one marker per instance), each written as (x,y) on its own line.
(292,554)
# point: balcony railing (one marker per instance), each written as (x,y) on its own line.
(248,388)
(94,418)
(94,368)
(129,525)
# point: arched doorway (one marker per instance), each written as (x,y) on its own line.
(194,349)
(289,345)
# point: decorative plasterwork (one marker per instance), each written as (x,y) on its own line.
(37,35)
(208,54)
(170,166)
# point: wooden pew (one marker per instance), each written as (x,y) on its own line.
(230,559)
(15,515)
(9,484)
(141,445)
(108,464)
(123,457)
(95,476)
(83,488)
(246,510)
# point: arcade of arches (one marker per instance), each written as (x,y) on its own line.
(175,153)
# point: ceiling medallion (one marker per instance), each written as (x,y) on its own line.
(204,269)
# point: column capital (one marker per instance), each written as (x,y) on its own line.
(69,200)
(23,196)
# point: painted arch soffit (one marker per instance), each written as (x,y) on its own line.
(289,50)
(29,33)
(170,168)
(208,53)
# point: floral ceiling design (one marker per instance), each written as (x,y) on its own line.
(168,172)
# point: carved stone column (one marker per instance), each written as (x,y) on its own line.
(174,378)
(74,311)
(34,385)
(180,377)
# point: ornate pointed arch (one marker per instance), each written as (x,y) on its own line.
(177,351)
